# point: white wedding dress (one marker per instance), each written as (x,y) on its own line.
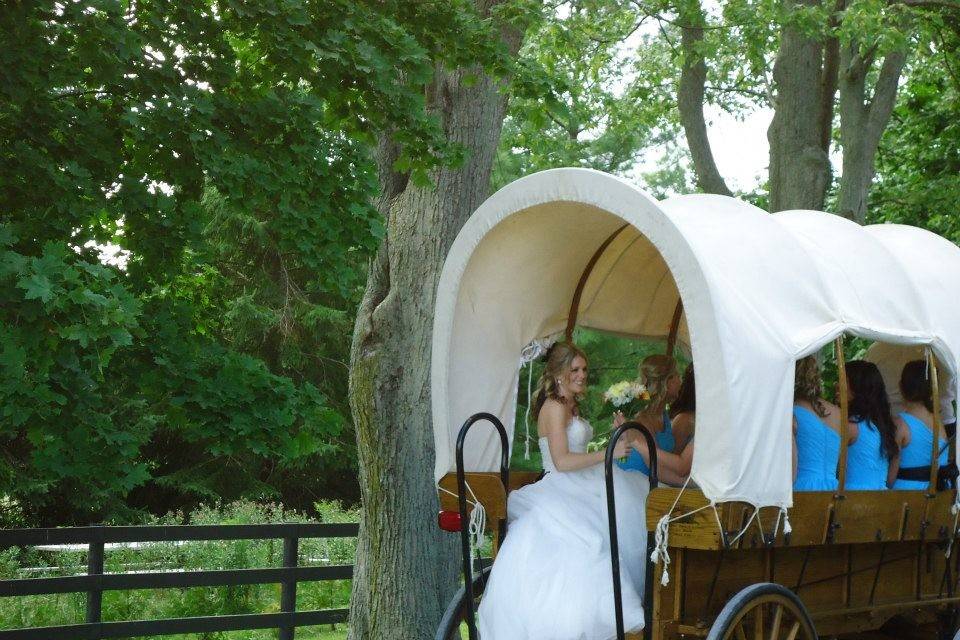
(552,578)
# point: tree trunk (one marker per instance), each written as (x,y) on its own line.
(690,94)
(862,123)
(406,568)
(799,166)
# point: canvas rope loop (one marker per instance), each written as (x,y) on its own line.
(661,534)
(782,515)
(478,519)
(528,354)
(526,414)
(955,510)
(755,516)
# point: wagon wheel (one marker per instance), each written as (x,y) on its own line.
(456,612)
(764,611)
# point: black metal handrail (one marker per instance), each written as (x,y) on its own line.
(96,581)
(612,514)
(462,503)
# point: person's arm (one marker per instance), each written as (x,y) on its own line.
(794,449)
(672,468)
(853,432)
(892,470)
(903,439)
(683,426)
(553,424)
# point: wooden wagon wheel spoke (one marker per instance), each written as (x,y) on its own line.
(763,612)
(775,625)
(794,630)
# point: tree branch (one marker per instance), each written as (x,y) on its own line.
(884,96)
(690,94)
(829,78)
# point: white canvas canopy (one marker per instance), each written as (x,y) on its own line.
(759,291)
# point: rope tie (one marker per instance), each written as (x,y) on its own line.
(782,515)
(955,510)
(528,354)
(478,518)
(661,534)
(526,415)
(756,514)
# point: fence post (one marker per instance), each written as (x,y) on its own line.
(95,568)
(288,588)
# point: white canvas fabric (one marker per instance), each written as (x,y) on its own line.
(759,291)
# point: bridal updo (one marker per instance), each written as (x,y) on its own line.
(655,371)
(559,360)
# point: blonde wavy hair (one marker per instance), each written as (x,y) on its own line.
(807,384)
(560,359)
(654,372)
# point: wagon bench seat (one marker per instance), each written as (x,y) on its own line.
(816,518)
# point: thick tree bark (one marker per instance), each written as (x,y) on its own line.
(828,81)
(862,123)
(406,569)
(690,94)
(799,165)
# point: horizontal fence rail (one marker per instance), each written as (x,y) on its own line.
(96,581)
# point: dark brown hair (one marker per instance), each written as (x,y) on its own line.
(915,384)
(869,401)
(687,397)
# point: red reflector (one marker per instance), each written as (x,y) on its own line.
(449,521)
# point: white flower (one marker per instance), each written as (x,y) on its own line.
(624,392)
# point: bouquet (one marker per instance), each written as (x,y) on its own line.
(628,396)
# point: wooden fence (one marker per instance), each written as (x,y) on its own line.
(95,582)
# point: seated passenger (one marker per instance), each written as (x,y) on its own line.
(683,411)
(873,456)
(916,436)
(658,373)
(816,431)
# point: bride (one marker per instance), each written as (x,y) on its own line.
(552,577)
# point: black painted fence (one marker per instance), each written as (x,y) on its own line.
(96,582)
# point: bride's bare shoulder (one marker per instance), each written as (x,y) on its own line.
(553,415)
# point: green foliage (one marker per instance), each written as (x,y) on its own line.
(227,150)
(918,164)
(580,97)
(65,322)
(167,603)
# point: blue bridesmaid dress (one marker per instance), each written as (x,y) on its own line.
(665,442)
(818,452)
(917,453)
(866,465)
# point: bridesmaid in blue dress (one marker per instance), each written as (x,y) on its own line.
(658,373)
(683,410)
(816,430)
(916,438)
(873,456)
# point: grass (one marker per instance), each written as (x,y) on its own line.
(145,604)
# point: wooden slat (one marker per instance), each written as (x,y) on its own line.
(486,487)
(859,517)
(584,276)
(674,327)
(844,415)
(935,454)
(698,531)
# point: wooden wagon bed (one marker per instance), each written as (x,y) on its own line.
(855,560)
